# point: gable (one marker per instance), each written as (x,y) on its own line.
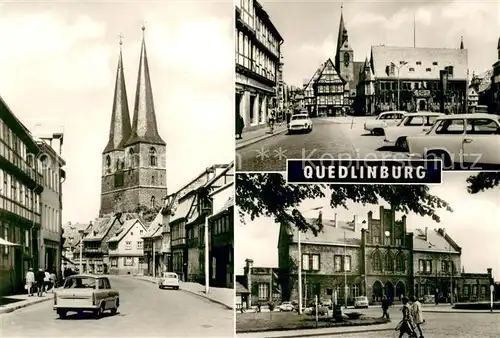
(309,90)
(329,74)
(134,230)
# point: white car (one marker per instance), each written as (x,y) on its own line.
(301,123)
(169,280)
(286,306)
(383,120)
(462,138)
(411,124)
(361,302)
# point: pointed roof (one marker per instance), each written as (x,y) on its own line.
(125,229)
(120,129)
(327,70)
(340,38)
(461,42)
(144,127)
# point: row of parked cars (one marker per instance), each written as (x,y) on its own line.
(461,138)
(359,302)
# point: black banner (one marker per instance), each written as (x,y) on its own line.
(365,171)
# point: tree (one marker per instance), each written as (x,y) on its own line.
(269,195)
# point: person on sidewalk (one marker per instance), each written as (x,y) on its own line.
(46,281)
(272,119)
(417,314)
(39,277)
(30,280)
(240,124)
(386,303)
(406,326)
(53,280)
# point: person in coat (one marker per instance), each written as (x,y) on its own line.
(30,280)
(417,314)
(39,277)
(406,325)
(386,303)
(240,125)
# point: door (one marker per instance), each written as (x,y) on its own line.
(448,136)
(413,125)
(422,105)
(481,143)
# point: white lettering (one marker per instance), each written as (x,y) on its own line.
(384,172)
(308,172)
(409,172)
(343,172)
(331,171)
(421,173)
(320,172)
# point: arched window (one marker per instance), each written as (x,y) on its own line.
(108,164)
(153,180)
(389,262)
(152,201)
(152,157)
(131,158)
(400,262)
(377,261)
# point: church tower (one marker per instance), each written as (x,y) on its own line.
(344,56)
(134,161)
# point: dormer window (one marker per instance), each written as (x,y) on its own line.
(427,69)
(412,69)
(401,62)
(435,63)
(419,63)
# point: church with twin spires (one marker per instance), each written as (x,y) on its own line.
(134,160)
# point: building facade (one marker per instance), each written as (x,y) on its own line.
(157,246)
(348,259)
(329,91)
(126,248)
(134,160)
(257,63)
(51,199)
(495,83)
(20,202)
(259,284)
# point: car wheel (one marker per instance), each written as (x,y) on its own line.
(98,313)
(114,311)
(402,144)
(177,288)
(62,314)
(379,132)
(444,157)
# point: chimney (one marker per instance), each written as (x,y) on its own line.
(425,234)
(355,223)
(248,275)
(335,220)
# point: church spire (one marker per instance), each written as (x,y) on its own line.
(144,127)
(119,131)
(342,29)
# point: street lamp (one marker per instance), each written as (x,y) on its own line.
(82,233)
(387,234)
(401,65)
(451,277)
(345,271)
(300,261)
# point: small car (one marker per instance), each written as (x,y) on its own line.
(411,124)
(361,302)
(300,123)
(86,293)
(286,306)
(169,280)
(461,138)
(385,119)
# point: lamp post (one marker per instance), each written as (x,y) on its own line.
(451,276)
(82,232)
(387,235)
(300,261)
(401,65)
(345,271)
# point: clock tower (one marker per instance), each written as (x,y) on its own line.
(344,56)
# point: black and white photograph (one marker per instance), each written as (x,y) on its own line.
(367,79)
(116,169)
(367,260)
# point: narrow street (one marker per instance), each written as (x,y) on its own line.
(331,138)
(145,311)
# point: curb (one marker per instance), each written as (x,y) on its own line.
(251,141)
(193,293)
(313,334)
(20,306)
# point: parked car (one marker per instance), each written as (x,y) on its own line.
(286,306)
(411,124)
(386,119)
(461,138)
(361,302)
(427,299)
(300,123)
(169,280)
(86,293)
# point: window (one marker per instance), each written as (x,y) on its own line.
(419,63)
(466,290)
(376,261)
(152,157)
(338,263)
(347,263)
(474,290)
(128,245)
(139,245)
(263,291)
(435,63)
(389,262)
(108,164)
(482,127)
(153,180)
(427,69)
(483,291)
(414,121)
(451,127)
(376,239)
(141,232)
(400,262)
(412,69)
(152,202)
(128,261)
(27,238)
(444,266)
(310,262)
(6,237)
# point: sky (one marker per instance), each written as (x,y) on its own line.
(58,68)
(473,225)
(310,29)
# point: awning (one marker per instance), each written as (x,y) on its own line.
(7,243)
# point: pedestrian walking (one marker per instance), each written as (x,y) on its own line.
(386,303)
(406,326)
(39,277)
(46,281)
(53,280)
(417,314)
(30,280)
(436,297)
(272,119)
(240,125)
